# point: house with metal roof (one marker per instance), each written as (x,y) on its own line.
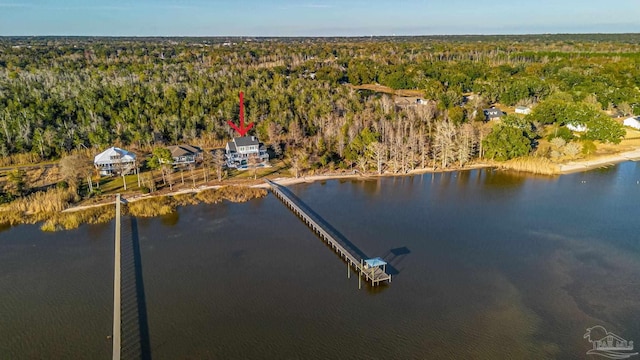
(239,150)
(115,161)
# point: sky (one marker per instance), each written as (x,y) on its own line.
(315,17)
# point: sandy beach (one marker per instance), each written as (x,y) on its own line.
(606,160)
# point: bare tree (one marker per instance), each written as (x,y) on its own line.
(363,161)
(298,159)
(253,162)
(466,143)
(75,167)
(378,153)
(218,163)
(444,144)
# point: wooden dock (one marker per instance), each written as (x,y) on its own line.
(375,275)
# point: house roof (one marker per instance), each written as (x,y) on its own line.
(246,141)
(493,113)
(522,108)
(183,150)
(375,262)
(107,156)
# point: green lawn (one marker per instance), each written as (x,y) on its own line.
(114,184)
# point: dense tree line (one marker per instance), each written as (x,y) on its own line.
(59,94)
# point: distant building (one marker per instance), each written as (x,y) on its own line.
(240,149)
(493,114)
(577,127)
(633,122)
(185,154)
(523,110)
(115,161)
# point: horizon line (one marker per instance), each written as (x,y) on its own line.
(325,36)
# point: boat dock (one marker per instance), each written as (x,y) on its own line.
(372,270)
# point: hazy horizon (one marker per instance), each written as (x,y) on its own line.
(319,18)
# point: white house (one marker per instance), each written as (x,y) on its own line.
(577,127)
(115,161)
(240,149)
(523,110)
(633,122)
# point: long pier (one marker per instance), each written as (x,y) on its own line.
(117,322)
(373,274)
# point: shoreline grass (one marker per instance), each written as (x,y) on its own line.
(34,209)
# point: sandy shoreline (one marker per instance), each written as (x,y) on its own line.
(577,166)
(568,168)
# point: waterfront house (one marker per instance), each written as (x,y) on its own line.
(115,161)
(523,110)
(633,122)
(240,149)
(185,154)
(493,114)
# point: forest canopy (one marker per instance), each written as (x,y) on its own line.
(59,94)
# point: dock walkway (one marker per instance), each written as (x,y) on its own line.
(375,275)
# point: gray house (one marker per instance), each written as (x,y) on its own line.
(185,154)
(493,114)
(240,149)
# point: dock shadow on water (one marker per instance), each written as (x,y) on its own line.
(336,235)
(135,325)
(394,257)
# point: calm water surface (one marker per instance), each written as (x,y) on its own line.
(487,265)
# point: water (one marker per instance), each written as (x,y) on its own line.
(487,265)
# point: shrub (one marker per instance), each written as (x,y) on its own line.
(588,147)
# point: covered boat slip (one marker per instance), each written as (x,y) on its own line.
(373,270)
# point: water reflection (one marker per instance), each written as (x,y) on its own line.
(170,219)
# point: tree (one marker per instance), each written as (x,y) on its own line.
(600,127)
(15,185)
(506,142)
(298,160)
(378,152)
(75,167)
(218,163)
(161,159)
(444,143)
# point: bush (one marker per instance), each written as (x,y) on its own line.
(145,190)
(588,147)
(563,133)
(62,185)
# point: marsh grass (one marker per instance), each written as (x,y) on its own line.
(156,206)
(72,220)
(47,207)
(532,164)
(36,207)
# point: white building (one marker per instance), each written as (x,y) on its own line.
(115,161)
(523,110)
(577,127)
(240,149)
(633,122)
